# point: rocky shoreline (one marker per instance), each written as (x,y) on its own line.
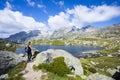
(88,54)
(94,53)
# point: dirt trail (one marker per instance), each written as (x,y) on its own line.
(30,74)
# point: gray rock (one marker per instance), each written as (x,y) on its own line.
(98,76)
(49,55)
(7,61)
(87,55)
(35,52)
(3,77)
(111,71)
(115,54)
(22,57)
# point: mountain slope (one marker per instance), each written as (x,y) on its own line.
(74,32)
(111,31)
(23,36)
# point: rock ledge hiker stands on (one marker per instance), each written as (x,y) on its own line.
(49,55)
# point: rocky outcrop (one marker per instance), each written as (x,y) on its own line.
(7,61)
(114,72)
(98,76)
(34,53)
(88,54)
(3,77)
(49,55)
(116,76)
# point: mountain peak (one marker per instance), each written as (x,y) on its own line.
(86,27)
(74,28)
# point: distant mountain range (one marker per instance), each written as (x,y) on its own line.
(23,36)
(74,32)
(68,33)
(111,31)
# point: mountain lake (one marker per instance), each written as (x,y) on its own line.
(74,50)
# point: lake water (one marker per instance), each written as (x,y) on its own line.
(74,50)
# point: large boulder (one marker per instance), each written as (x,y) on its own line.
(71,61)
(7,61)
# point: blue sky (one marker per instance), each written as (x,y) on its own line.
(25,15)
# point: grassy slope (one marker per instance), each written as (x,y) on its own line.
(101,64)
(52,76)
(9,46)
(15,74)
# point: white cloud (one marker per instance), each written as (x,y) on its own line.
(80,15)
(42,7)
(94,13)
(12,22)
(57,21)
(8,5)
(31,3)
(61,3)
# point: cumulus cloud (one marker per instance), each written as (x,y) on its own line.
(57,21)
(94,13)
(81,14)
(31,3)
(12,22)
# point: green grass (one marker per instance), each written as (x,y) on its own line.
(56,70)
(15,74)
(57,67)
(77,41)
(108,51)
(88,39)
(58,42)
(112,47)
(51,76)
(102,64)
(87,67)
(106,62)
(48,42)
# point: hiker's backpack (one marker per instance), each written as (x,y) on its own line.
(26,49)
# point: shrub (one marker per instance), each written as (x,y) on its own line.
(57,67)
(93,70)
(44,66)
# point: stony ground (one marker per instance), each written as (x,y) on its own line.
(30,74)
